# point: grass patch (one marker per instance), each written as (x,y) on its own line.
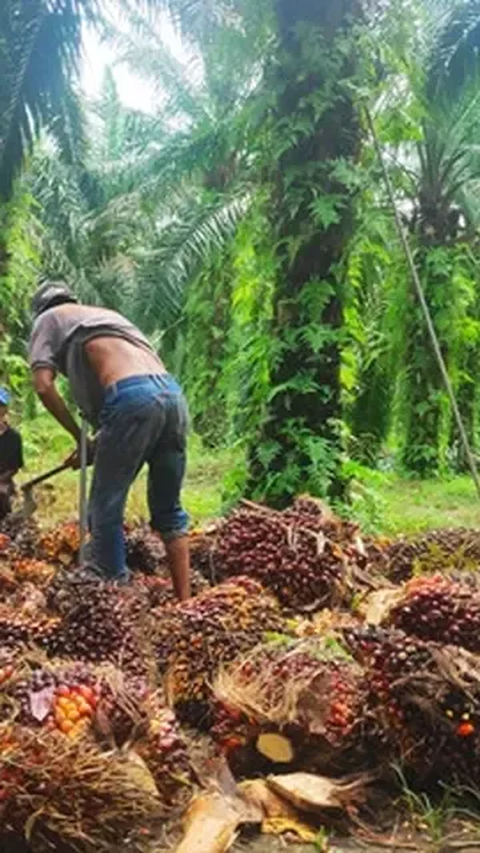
(410,506)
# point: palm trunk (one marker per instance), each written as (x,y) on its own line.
(299,447)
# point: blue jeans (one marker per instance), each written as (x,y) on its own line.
(143,420)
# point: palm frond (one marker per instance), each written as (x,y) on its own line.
(39,51)
(454,53)
(183,246)
(178,84)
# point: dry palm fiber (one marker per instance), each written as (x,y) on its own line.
(439,609)
(436,551)
(193,639)
(65,794)
(300,554)
(425,699)
(297,704)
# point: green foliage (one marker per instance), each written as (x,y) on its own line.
(244,224)
(20,233)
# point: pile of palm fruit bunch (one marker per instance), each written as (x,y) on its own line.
(440,609)
(289,704)
(192,640)
(455,549)
(276,660)
(301,554)
(424,700)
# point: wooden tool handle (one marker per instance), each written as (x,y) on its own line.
(46,476)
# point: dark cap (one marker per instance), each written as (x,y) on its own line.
(51,293)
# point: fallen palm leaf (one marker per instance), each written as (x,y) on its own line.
(312,793)
(212,821)
(260,794)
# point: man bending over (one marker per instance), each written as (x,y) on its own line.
(122,388)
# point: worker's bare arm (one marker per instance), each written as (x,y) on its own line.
(44,383)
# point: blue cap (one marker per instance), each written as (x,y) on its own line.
(4,397)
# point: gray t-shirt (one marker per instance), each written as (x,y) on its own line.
(58,341)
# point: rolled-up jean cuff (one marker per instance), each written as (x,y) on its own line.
(170,535)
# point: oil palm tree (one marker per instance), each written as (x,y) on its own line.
(443,174)
(316,127)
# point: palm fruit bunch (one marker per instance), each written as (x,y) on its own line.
(425,701)
(17,628)
(5,543)
(159,590)
(393,726)
(23,534)
(201,544)
(193,639)
(439,609)
(77,698)
(436,551)
(100,623)
(165,753)
(34,571)
(8,582)
(65,794)
(316,515)
(296,703)
(62,698)
(287,552)
(145,550)
(61,544)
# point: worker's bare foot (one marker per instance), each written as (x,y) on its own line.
(178,557)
